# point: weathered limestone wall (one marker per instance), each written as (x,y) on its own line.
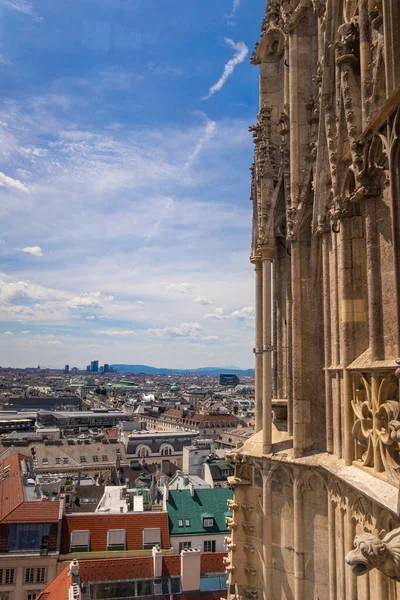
(326,214)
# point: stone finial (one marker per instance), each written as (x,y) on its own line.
(373,553)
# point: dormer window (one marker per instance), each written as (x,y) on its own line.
(80,541)
(208,522)
(116,539)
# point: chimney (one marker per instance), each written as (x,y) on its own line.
(191,488)
(157,561)
(190,570)
(186,479)
(74,568)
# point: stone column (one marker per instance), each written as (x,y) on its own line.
(267,253)
(301,405)
(332,548)
(350,533)
(267,532)
(298,540)
(348,334)
(375,317)
(256,261)
(327,341)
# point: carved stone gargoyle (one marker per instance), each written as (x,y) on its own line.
(373,553)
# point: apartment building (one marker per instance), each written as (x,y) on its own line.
(198,518)
(188,575)
(29,531)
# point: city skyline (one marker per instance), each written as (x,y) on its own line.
(124,183)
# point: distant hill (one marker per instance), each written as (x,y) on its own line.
(144,369)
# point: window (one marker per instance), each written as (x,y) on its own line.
(10,576)
(184,546)
(151,537)
(45,461)
(28,536)
(80,541)
(95,458)
(32,595)
(143,451)
(37,575)
(187,523)
(116,539)
(65,460)
(166,450)
(6,577)
(5,596)
(180,522)
(208,522)
(40,575)
(209,546)
(104,457)
(214,581)
(58,461)
(29,575)
(83,458)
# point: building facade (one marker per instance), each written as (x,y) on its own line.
(29,532)
(198,518)
(315,510)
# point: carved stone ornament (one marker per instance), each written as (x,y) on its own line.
(376,429)
(373,553)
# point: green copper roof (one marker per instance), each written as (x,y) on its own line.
(211,502)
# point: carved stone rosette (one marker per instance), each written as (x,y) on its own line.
(377,428)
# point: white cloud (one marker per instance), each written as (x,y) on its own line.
(117,332)
(140,303)
(12,184)
(244,313)
(232,14)
(218,314)
(35,250)
(8,333)
(11,291)
(188,330)
(206,137)
(92,300)
(181,288)
(20,6)
(241,53)
(25,331)
(202,300)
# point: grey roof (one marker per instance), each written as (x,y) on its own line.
(182,481)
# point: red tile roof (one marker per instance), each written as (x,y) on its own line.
(131,568)
(58,589)
(212,562)
(171,565)
(112,569)
(13,507)
(98,524)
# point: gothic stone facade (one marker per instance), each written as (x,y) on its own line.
(315,509)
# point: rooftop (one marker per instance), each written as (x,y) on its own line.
(184,507)
(99,524)
(128,569)
(18,501)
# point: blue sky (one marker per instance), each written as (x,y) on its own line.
(124,181)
